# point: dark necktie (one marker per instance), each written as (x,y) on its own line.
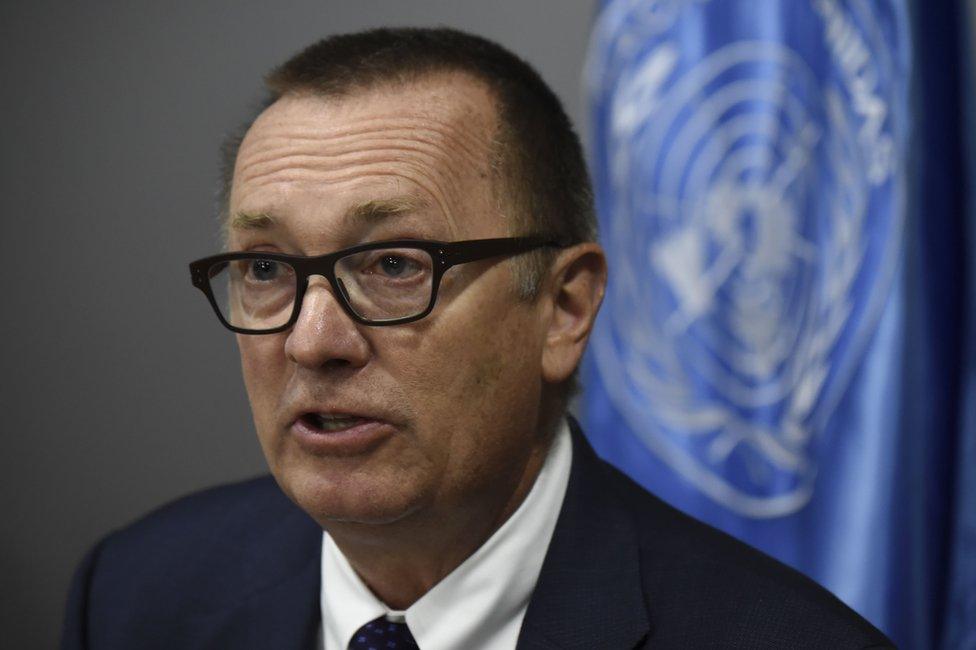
(381,634)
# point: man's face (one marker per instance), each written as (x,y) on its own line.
(432,416)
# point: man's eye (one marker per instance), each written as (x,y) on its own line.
(393,265)
(264,270)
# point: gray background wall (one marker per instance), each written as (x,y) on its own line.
(119,390)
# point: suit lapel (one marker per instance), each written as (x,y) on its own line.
(287,615)
(283,610)
(589,593)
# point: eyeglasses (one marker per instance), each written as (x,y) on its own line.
(380,283)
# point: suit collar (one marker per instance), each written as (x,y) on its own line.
(286,615)
(589,592)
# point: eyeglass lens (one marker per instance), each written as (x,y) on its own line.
(378,285)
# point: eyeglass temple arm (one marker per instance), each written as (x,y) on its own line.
(480,249)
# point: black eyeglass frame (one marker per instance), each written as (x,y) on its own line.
(444,255)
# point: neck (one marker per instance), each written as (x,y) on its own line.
(403,560)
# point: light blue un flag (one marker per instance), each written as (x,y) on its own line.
(784,349)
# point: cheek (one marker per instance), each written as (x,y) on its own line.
(262,365)
(453,358)
(482,374)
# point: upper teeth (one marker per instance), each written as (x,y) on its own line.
(334,422)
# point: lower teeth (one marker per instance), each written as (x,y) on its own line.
(335,425)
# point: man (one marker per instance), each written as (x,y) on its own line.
(412,275)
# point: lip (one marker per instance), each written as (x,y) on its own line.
(361,437)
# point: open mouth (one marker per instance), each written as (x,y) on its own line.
(327,423)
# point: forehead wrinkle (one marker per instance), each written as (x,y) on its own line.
(353,124)
(446,136)
(310,151)
(429,178)
(424,170)
(461,135)
(317,162)
(437,151)
(420,179)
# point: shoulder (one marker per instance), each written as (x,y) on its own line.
(235,514)
(702,584)
(198,554)
(231,505)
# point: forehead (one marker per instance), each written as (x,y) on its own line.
(427,142)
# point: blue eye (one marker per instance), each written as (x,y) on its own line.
(264,270)
(394,265)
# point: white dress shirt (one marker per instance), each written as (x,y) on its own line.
(482,602)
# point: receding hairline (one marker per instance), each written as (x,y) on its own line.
(443,73)
(536,158)
(434,81)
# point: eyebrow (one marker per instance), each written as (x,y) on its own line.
(379,209)
(371,211)
(250,221)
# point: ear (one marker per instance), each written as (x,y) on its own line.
(577,282)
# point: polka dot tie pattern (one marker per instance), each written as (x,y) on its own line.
(382,634)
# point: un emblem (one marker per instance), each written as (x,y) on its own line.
(751,182)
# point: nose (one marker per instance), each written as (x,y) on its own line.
(324,335)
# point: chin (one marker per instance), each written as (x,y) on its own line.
(348,497)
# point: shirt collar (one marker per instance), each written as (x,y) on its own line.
(479,604)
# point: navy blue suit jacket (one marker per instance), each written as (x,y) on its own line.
(238,567)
